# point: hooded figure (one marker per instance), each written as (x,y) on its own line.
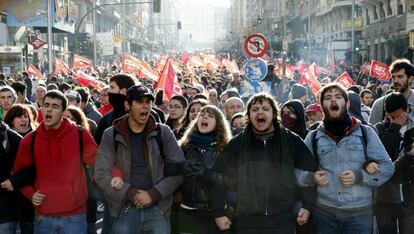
(297,125)
(355,106)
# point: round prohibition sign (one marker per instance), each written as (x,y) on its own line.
(256,45)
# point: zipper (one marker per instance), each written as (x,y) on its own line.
(267,182)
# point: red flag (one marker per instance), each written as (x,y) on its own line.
(81,62)
(185,58)
(33,71)
(379,70)
(345,80)
(325,71)
(86,80)
(168,81)
(130,64)
(365,68)
(61,66)
(310,78)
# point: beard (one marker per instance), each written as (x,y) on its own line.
(338,118)
(403,87)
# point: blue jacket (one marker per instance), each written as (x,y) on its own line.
(348,154)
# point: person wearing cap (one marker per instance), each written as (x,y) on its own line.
(299,91)
(314,114)
(143,203)
(74,98)
(394,207)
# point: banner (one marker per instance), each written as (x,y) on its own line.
(379,70)
(310,78)
(249,88)
(231,66)
(81,62)
(33,71)
(86,80)
(61,66)
(345,80)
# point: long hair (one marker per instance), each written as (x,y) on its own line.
(186,121)
(18,110)
(222,128)
(260,97)
(79,116)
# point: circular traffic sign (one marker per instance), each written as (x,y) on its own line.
(256,45)
(255,69)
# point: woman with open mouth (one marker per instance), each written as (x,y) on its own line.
(202,144)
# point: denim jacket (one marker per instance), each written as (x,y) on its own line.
(348,154)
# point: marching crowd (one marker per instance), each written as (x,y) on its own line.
(207,161)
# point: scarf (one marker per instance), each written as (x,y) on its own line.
(338,128)
(280,154)
(203,140)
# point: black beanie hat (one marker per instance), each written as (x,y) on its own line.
(395,101)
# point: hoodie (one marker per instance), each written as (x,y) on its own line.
(355,106)
(59,171)
(300,126)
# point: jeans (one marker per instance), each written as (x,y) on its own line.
(75,224)
(8,228)
(141,220)
(325,224)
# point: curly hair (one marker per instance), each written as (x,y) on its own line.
(260,97)
(222,128)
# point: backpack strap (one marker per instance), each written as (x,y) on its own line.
(32,144)
(158,138)
(315,146)
(80,131)
(364,140)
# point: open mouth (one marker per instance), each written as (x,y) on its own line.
(204,124)
(334,108)
(48,117)
(261,120)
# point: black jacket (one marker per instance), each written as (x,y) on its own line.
(274,179)
(403,160)
(196,191)
(9,141)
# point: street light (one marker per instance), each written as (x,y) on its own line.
(49,36)
(156,9)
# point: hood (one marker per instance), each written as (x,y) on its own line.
(355,106)
(89,107)
(299,109)
(122,127)
(64,128)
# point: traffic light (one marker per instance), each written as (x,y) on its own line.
(179,25)
(259,20)
(156,6)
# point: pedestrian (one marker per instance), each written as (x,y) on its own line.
(259,164)
(393,206)
(342,146)
(202,143)
(59,191)
(137,146)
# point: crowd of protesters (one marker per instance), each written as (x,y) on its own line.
(207,161)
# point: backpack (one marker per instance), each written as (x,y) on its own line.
(88,170)
(315,145)
(158,138)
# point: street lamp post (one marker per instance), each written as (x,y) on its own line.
(77,27)
(353,32)
(49,36)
